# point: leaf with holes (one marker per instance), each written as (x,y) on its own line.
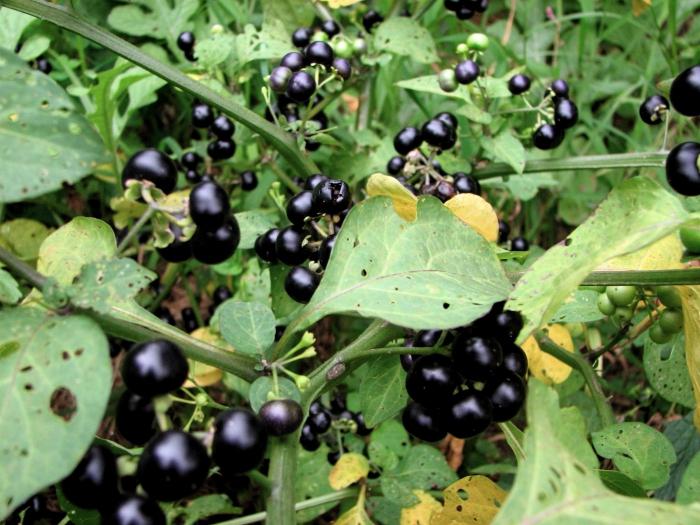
(686,442)
(43,138)
(579,307)
(434,272)
(404,36)
(249,327)
(689,489)
(350,468)
(667,372)
(253,224)
(382,391)
(474,499)
(55,379)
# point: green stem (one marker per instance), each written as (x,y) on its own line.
(649,159)
(280,501)
(135,229)
(170,275)
(260,479)
(686,276)
(577,362)
(22,269)
(280,140)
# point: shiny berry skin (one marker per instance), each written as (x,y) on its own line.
(477,358)
(432,380)
(239,441)
(308,439)
(444,191)
(565,113)
(448,118)
(93,482)
(330,27)
(202,116)
(359,420)
(300,284)
(605,305)
(279,79)
(426,338)
(249,181)
(464,183)
(221,149)
(519,84)
(301,87)
(468,414)
(343,68)
(438,135)
(407,140)
(177,251)
(320,422)
(682,170)
(288,246)
(281,416)
(621,295)
(216,246)
(478,5)
(514,359)
(407,361)
(319,53)
(221,294)
(466,72)
(658,335)
(134,510)
(503,231)
(685,92)
(293,60)
(671,321)
(153,166)
(265,245)
(324,252)
(189,55)
(301,37)
(193,177)
(300,207)
(422,423)
(173,465)
(506,325)
(547,137)
(186,40)
(560,88)
(154,368)
(314,180)
(452,5)
(332,196)
(191,160)
(370,19)
(506,393)
(43,65)
(189,320)
(223,127)
(519,244)
(395,165)
(447,80)
(653,109)
(464,13)
(209,205)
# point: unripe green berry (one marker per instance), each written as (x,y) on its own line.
(621,295)
(690,237)
(669,296)
(462,49)
(478,42)
(658,335)
(341,48)
(623,314)
(671,321)
(605,305)
(447,80)
(319,36)
(360,46)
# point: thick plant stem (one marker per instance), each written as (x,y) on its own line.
(280,140)
(283,462)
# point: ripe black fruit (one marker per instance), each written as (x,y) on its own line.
(464,183)
(301,87)
(407,361)
(422,423)
(506,325)
(134,510)
(514,359)
(191,160)
(189,320)
(452,5)
(186,40)
(407,140)
(432,380)
(301,283)
(653,109)
(301,37)
(685,92)
(221,294)
(93,483)
(216,246)
(193,177)
(477,358)
(464,13)
(320,422)
(395,165)
(308,439)
(519,84)
(153,166)
(173,465)
(178,250)
(223,127)
(314,180)
(503,231)
(202,116)
(43,65)
(468,414)
(279,79)
(438,134)
(221,149)
(466,71)
(682,170)
(249,181)
(154,368)
(343,68)
(300,207)
(332,196)
(448,118)
(281,416)
(288,246)
(318,53)
(444,191)
(370,19)
(560,88)
(506,393)
(519,244)
(293,60)
(239,441)
(359,420)
(135,418)
(265,245)
(547,137)
(209,205)
(565,113)
(330,27)
(324,252)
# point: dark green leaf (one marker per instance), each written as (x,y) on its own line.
(667,372)
(382,391)
(406,37)
(249,327)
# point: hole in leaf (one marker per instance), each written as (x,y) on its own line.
(463,494)
(445,305)
(363,272)
(63,403)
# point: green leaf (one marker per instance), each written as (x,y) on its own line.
(34,46)
(689,489)
(282,305)
(253,224)
(311,480)
(12,25)
(434,272)
(638,450)
(262,387)
(405,36)
(9,289)
(621,484)
(249,327)
(553,487)
(667,372)
(686,442)
(103,284)
(382,391)
(580,307)
(429,84)
(292,13)
(635,214)
(23,237)
(474,113)
(571,432)
(506,148)
(44,360)
(523,187)
(77,515)
(203,507)
(43,137)
(214,50)
(153,18)
(392,435)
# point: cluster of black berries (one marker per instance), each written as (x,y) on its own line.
(186,42)
(304,239)
(222,147)
(562,111)
(321,419)
(517,244)
(482,380)
(465,9)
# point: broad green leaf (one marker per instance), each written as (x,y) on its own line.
(435,272)
(262,389)
(382,391)
(571,432)
(523,187)
(635,214)
(429,84)
(43,137)
(249,327)
(667,372)
(474,113)
(311,480)
(392,435)
(690,297)
(292,13)
(579,307)
(350,468)
(553,487)
(215,49)
(153,18)
(269,43)
(621,483)
(253,224)
(23,237)
(686,442)
(9,289)
(105,283)
(12,25)
(55,379)
(282,305)
(506,148)
(203,507)
(689,489)
(382,456)
(405,36)
(34,46)
(473,499)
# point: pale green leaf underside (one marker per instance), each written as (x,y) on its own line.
(382,391)
(249,327)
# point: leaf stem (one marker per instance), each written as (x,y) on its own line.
(135,229)
(280,500)
(22,269)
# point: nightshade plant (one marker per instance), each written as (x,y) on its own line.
(393,262)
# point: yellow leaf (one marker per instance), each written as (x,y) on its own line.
(474,500)
(477,213)
(206,375)
(690,296)
(335,4)
(405,203)
(421,513)
(349,469)
(545,367)
(664,254)
(639,6)
(357,515)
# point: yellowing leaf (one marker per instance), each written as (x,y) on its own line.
(206,375)
(545,367)
(357,515)
(421,513)
(474,500)
(335,4)
(405,203)
(639,6)
(477,213)
(349,469)
(690,296)
(664,254)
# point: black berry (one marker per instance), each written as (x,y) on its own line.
(202,116)
(519,244)
(300,284)
(395,165)
(432,380)
(343,68)
(560,88)
(370,19)
(506,393)
(685,92)
(93,483)
(134,510)
(308,439)
(221,294)
(653,109)
(683,169)
(324,252)
(320,422)
(314,180)
(288,246)
(223,127)
(209,205)
(153,166)
(477,358)
(301,37)
(154,368)
(177,251)
(464,183)
(217,245)
(565,113)
(437,134)
(422,423)
(331,196)
(519,84)
(293,60)
(318,53)
(191,160)
(221,149)
(249,180)
(407,140)
(279,79)
(448,118)
(300,207)
(330,27)
(265,245)
(514,359)
(503,231)
(185,41)
(239,441)
(281,416)
(547,137)
(466,71)
(301,87)
(468,413)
